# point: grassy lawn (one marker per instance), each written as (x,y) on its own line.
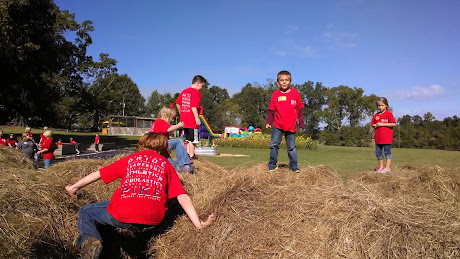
(347,161)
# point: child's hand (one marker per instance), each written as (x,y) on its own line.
(267,126)
(374,126)
(207,222)
(198,121)
(71,190)
(180,124)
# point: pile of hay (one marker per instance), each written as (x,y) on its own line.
(411,212)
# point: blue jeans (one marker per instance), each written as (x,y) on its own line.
(47,163)
(386,150)
(181,153)
(93,214)
(277,135)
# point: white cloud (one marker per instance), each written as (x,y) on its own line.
(297,51)
(339,38)
(420,93)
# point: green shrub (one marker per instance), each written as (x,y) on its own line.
(262,141)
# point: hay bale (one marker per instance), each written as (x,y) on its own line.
(37,217)
(315,214)
(412,212)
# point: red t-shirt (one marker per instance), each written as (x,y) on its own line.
(59,143)
(3,142)
(73,142)
(48,143)
(147,181)
(286,106)
(96,140)
(383,135)
(188,99)
(160,126)
(42,138)
(12,142)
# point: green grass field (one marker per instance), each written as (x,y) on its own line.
(346,161)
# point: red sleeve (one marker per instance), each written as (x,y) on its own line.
(160,126)
(179,99)
(299,101)
(175,187)
(115,170)
(270,117)
(391,119)
(272,103)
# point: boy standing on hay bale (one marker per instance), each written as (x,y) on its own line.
(285,109)
(187,104)
(147,181)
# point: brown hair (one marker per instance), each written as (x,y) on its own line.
(166,113)
(154,141)
(383,100)
(199,78)
(284,73)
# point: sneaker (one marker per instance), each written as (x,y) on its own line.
(91,248)
(271,170)
(194,157)
(380,170)
(186,168)
(387,171)
(295,169)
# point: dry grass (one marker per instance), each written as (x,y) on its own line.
(412,213)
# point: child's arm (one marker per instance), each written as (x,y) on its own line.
(382,124)
(197,118)
(270,118)
(187,204)
(178,108)
(72,189)
(176,127)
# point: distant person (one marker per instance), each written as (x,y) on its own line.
(77,145)
(27,146)
(59,142)
(383,123)
(11,141)
(141,201)
(47,148)
(161,125)
(188,103)
(96,142)
(3,141)
(285,110)
(28,130)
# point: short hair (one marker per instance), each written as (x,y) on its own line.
(166,113)
(45,128)
(27,130)
(382,100)
(199,78)
(284,73)
(154,141)
(25,135)
(48,133)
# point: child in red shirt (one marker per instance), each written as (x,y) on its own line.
(3,142)
(76,144)
(96,142)
(147,182)
(161,125)
(383,123)
(47,148)
(285,109)
(188,103)
(11,141)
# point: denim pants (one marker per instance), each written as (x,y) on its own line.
(47,163)
(386,150)
(277,135)
(181,153)
(93,214)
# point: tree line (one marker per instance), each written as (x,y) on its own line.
(48,79)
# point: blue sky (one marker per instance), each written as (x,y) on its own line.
(405,50)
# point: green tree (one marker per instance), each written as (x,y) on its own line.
(156,101)
(314,98)
(39,65)
(253,103)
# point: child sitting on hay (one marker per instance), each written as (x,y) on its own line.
(147,181)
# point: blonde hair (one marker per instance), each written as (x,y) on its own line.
(48,133)
(167,113)
(154,141)
(27,130)
(382,100)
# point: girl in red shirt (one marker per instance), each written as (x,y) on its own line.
(383,123)
(147,182)
(47,148)
(161,125)
(11,141)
